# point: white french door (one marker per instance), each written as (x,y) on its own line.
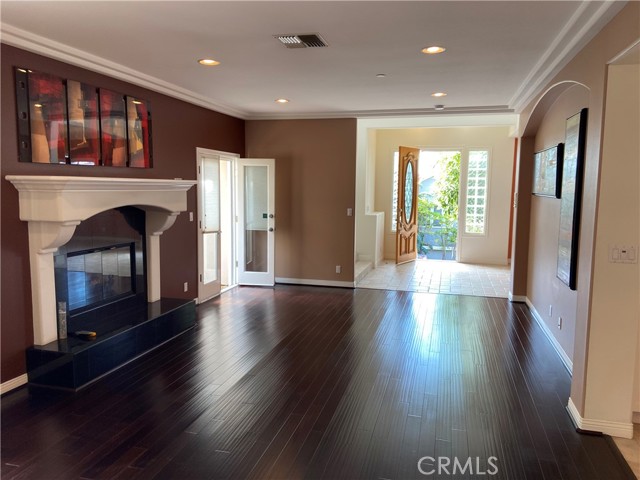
(208,225)
(256,221)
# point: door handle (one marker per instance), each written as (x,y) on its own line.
(271,229)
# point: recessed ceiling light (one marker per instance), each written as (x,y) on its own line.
(439,94)
(37,105)
(433,50)
(381,75)
(439,107)
(282,100)
(208,62)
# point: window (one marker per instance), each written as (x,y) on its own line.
(394,194)
(476,206)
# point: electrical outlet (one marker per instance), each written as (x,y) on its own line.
(550,310)
(560,323)
(338,269)
(191,216)
(186,286)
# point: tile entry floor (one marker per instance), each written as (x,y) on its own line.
(440,276)
(630,449)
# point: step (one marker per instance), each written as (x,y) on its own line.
(73,363)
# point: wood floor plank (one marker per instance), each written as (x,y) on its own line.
(312,382)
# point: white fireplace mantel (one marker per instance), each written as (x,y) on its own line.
(54,205)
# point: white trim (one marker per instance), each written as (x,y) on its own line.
(212,288)
(517,298)
(29,41)
(13,383)
(35,43)
(244,276)
(615,429)
(583,25)
(54,206)
(316,283)
(568,363)
(624,53)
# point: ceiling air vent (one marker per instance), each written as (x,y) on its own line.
(311,40)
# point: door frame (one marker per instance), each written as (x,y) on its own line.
(203,293)
(256,278)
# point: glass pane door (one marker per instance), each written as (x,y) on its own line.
(209,223)
(256,218)
(257,223)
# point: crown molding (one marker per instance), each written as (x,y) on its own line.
(31,42)
(25,40)
(584,24)
(363,114)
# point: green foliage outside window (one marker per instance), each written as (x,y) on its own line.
(438,216)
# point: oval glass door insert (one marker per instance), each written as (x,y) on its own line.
(408,192)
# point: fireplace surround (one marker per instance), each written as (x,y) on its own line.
(54,206)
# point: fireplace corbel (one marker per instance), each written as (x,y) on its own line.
(55,205)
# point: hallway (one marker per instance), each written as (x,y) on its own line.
(439,276)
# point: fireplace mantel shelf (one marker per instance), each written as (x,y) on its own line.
(73,199)
(54,205)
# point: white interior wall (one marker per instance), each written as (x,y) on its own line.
(615,307)
(488,249)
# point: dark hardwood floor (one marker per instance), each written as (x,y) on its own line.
(309,382)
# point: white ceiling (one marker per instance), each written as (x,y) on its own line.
(498,53)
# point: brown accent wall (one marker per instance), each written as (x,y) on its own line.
(315,184)
(178,128)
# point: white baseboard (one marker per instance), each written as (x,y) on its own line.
(615,429)
(315,283)
(13,383)
(568,363)
(517,298)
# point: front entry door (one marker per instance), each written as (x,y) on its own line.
(407,214)
(256,221)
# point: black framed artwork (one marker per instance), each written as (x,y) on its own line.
(70,122)
(547,171)
(113,126)
(139,133)
(84,129)
(570,203)
(42,117)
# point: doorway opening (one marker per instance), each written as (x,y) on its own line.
(236,222)
(438,203)
(216,223)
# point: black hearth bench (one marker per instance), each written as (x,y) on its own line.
(74,363)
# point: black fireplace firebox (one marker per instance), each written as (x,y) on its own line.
(100,275)
(100,272)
